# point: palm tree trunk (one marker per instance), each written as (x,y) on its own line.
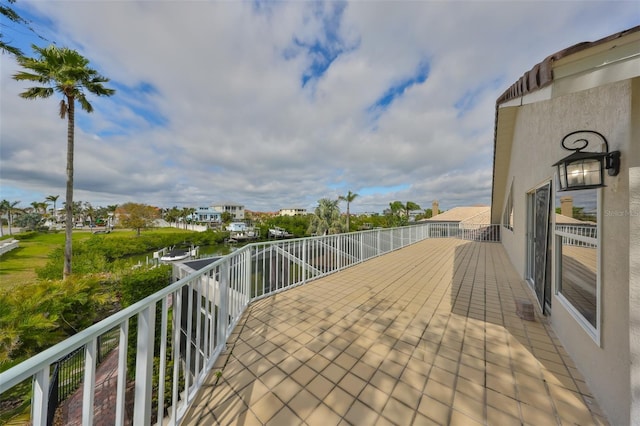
(69,196)
(348,216)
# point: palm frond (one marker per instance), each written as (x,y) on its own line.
(37,92)
(64,70)
(4,47)
(82,100)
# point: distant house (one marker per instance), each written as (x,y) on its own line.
(292,212)
(584,273)
(213,214)
(207,214)
(236,210)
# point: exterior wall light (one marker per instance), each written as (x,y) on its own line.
(585,170)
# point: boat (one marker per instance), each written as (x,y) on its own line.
(241,236)
(177,254)
(277,232)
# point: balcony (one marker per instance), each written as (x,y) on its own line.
(425,332)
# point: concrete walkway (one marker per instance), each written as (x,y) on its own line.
(425,335)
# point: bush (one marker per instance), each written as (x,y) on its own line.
(84,262)
(139,283)
(37,316)
(135,286)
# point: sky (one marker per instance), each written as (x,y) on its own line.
(277,104)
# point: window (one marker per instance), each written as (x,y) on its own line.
(577,255)
(507,215)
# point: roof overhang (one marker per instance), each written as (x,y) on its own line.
(579,67)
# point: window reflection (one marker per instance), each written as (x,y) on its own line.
(577,237)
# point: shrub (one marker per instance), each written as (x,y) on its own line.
(37,316)
(135,285)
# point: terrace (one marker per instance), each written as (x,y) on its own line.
(424,335)
(377,327)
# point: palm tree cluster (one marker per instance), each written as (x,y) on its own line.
(175,215)
(327,218)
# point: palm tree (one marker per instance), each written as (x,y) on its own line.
(187,212)
(65,71)
(111,209)
(326,219)
(53,199)
(10,208)
(172,215)
(38,207)
(4,208)
(409,207)
(89,213)
(348,198)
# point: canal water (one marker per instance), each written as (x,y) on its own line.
(203,251)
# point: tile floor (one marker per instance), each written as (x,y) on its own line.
(426,335)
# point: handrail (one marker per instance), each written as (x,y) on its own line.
(190,320)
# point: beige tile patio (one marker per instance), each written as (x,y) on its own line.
(425,335)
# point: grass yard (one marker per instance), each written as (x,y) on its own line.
(18,266)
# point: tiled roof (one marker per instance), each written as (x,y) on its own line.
(566,220)
(541,74)
(473,214)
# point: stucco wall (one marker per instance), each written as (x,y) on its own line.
(539,129)
(634,290)
(634,254)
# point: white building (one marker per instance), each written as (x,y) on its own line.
(585,278)
(292,212)
(236,210)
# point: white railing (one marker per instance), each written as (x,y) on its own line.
(578,235)
(471,232)
(187,323)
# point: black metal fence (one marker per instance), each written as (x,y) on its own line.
(68,372)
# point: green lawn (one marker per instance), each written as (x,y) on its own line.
(18,266)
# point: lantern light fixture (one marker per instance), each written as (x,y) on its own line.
(585,169)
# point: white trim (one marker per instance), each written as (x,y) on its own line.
(594,332)
(530,219)
(580,319)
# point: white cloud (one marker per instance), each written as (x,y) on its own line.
(210,104)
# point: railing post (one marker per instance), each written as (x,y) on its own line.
(339,251)
(304,261)
(40,401)
(176,331)
(163,357)
(144,366)
(224,301)
(89,382)
(122,373)
(247,278)
(392,234)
